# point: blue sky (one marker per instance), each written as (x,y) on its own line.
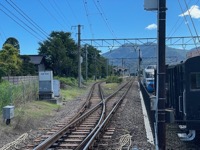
(106,19)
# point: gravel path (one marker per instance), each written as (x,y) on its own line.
(129,121)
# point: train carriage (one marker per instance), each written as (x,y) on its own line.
(148,78)
(183,93)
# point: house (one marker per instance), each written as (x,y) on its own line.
(37,60)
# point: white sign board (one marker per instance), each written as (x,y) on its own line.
(45,76)
(151,5)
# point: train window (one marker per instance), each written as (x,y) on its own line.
(149,75)
(195,81)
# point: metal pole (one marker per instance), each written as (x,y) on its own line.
(161,74)
(86,63)
(122,67)
(107,67)
(79,56)
(95,57)
(139,65)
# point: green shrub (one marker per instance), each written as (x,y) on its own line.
(68,81)
(17,94)
(113,79)
(5,96)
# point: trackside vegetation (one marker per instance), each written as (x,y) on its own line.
(113,79)
(17,95)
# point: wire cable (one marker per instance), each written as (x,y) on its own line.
(88,19)
(191,19)
(49,12)
(77,20)
(187,23)
(60,13)
(26,17)
(104,19)
(19,24)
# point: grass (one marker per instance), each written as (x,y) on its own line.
(109,88)
(72,93)
(37,109)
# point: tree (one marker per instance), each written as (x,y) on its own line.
(10,62)
(96,63)
(60,52)
(14,42)
(27,67)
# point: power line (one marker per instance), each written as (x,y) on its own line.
(72,11)
(20,21)
(171,33)
(191,19)
(60,13)
(187,23)
(49,12)
(88,19)
(26,17)
(104,19)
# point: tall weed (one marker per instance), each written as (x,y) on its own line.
(17,94)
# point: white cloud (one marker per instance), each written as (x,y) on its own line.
(194,11)
(151,26)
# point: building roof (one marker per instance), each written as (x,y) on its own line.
(36,59)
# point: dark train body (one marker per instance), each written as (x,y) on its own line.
(183,92)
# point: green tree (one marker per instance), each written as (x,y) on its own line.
(14,42)
(60,52)
(10,62)
(96,63)
(27,67)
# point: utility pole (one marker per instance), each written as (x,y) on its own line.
(122,67)
(139,61)
(107,62)
(86,63)
(160,127)
(95,58)
(79,56)
(161,74)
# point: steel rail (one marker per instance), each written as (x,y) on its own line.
(107,119)
(52,139)
(55,137)
(99,122)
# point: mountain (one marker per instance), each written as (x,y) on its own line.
(127,55)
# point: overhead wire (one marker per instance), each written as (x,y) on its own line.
(88,19)
(49,12)
(172,33)
(104,19)
(27,18)
(191,19)
(77,20)
(22,24)
(187,24)
(60,13)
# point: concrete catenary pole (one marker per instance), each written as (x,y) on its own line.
(79,56)
(86,63)
(161,74)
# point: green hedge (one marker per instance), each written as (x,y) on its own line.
(113,79)
(68,81)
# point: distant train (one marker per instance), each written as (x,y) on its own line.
(148,78)
(183,95)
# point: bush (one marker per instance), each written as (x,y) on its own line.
(17,94)
(113,79)
(5,96)
(68,81)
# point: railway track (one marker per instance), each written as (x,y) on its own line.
(83,130)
